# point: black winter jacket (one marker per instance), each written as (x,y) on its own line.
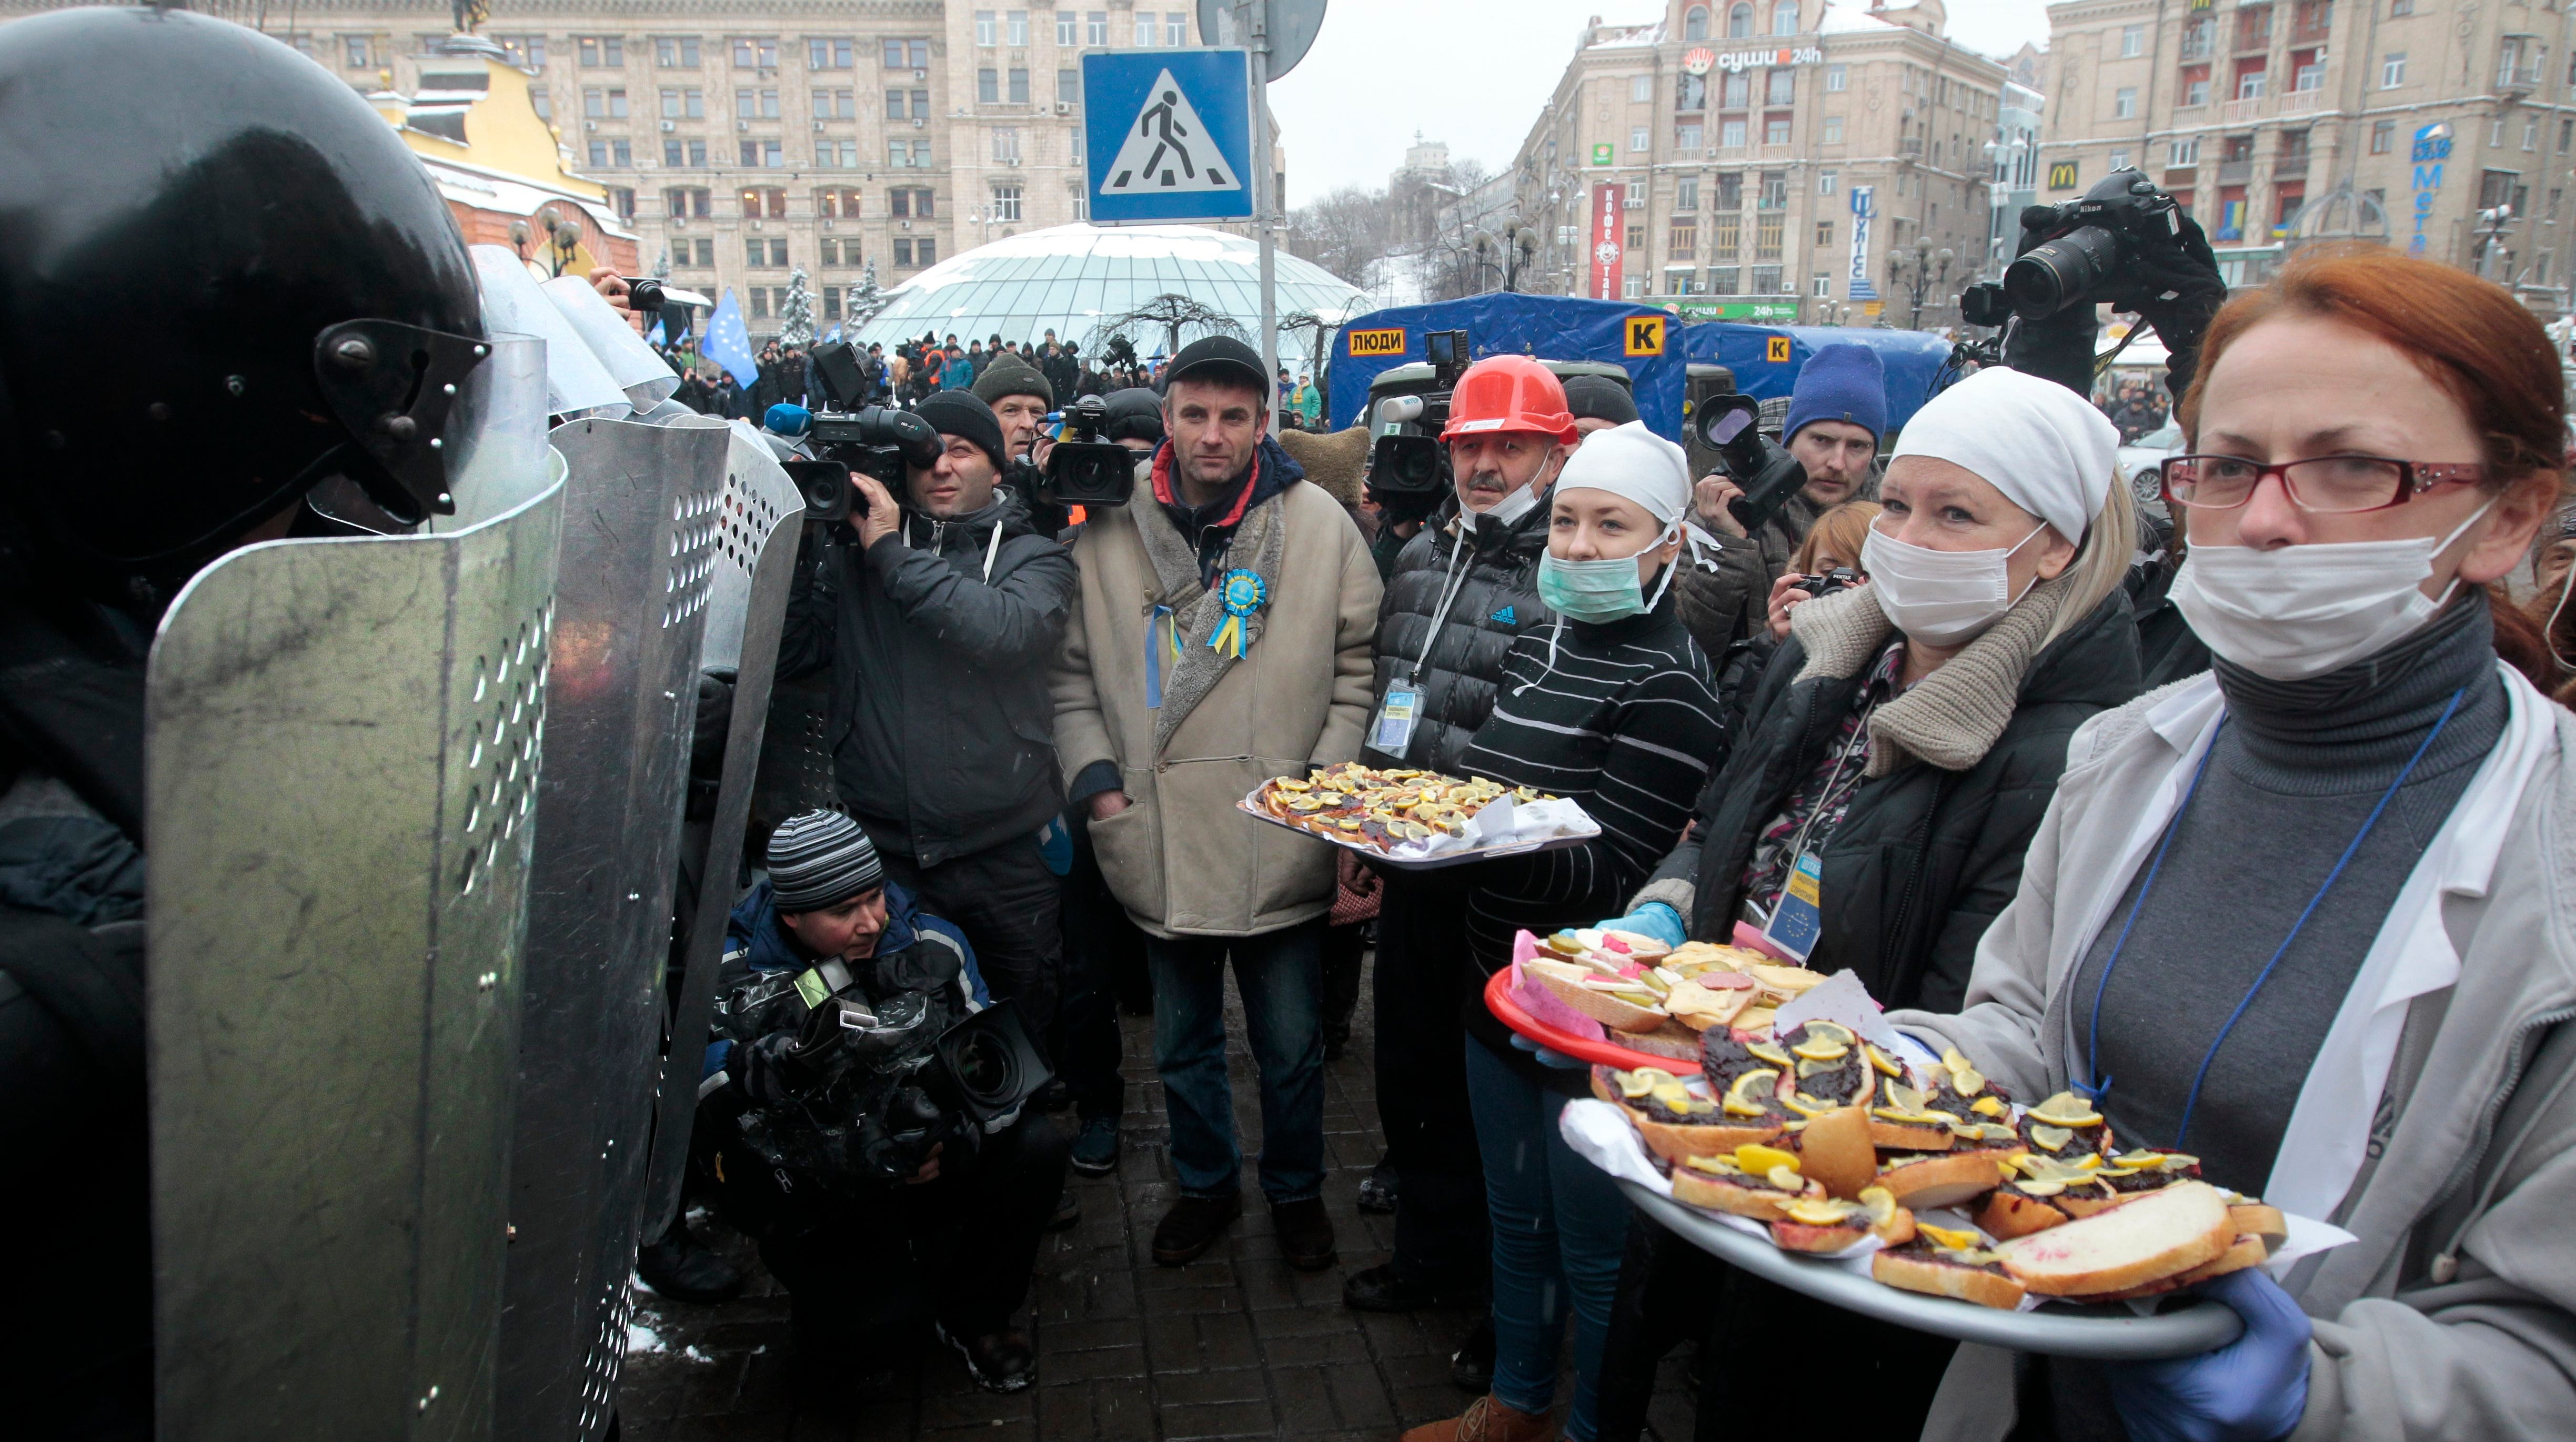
(1925,858)
(1496,602)
(941,729)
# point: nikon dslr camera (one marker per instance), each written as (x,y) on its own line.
(2092,242)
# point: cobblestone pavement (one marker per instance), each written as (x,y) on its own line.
(1234,1345)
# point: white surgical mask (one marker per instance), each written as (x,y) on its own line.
(2300,611)
(1506,511)
(1940,598)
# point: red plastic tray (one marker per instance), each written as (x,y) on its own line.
(1507,1010)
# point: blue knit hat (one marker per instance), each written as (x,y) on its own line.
(1839,383)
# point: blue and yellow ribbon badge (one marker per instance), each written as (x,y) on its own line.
(1244,592)
(1171,636)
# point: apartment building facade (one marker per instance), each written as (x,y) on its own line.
(745,139)
(2444,129)
(1766,160)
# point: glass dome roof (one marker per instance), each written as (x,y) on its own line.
(1071,278)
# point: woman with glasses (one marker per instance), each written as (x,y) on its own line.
(2307,917)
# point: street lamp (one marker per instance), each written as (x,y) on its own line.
(1918,270)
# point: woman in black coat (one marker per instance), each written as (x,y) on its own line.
(1904,741)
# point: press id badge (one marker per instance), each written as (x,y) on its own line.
(1393,729)
(1799,918)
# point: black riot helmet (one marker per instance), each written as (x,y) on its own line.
(225,285)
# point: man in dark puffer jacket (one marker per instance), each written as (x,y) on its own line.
(1462,591)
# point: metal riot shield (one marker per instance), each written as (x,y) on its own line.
(761,514)
(342,749)
(643,541)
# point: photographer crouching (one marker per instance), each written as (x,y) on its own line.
(866,1123)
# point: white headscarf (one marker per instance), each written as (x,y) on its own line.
(1633,463)
(2045,447)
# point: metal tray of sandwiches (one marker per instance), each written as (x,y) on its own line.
(1924,1196)
(1415,820)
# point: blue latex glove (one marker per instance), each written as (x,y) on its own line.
(1556,1059)
(1653,919)
(2252,1390)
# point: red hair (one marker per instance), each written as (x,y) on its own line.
(2475,341)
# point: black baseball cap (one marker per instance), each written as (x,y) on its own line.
(1220,357)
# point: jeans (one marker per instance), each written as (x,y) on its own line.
(1440,1232)
(1560,1226)
(1280,977)
(1006,901)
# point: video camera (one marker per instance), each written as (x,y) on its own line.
(1408,470)
(875,441)
(2092,244)
(1760,466)
(1083,469)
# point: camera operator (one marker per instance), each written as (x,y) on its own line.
(937,617)
(1464,589)
(868,1240)
(1837,412)
(2125,243)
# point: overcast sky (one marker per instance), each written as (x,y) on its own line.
(1475,72)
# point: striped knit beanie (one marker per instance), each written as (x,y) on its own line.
(821,859)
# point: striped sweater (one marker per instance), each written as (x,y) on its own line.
(1625,722)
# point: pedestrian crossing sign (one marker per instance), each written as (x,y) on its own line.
(1168,134)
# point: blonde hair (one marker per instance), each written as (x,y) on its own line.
(2102,560)
(1838,532)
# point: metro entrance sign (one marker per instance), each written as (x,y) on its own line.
(1169,135)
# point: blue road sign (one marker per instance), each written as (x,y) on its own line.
(1169,135)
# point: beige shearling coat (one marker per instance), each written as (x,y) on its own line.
(1182,858)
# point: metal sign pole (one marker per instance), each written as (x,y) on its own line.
(1264,222)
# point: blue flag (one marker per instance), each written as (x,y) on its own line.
(836,332)
(656,336)
(728,344)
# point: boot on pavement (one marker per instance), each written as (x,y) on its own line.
(1487,1419)
(1305,1233)
(1192,1226)
(681,1267)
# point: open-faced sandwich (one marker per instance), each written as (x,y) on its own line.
(2153,1238)
(1947,1262)
(1381,810)
(1678,1117)
(1831,1224)
(1752,1181)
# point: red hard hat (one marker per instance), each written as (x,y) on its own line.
(1508,393)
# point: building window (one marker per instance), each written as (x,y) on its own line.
(673,52)
(689,154)
(1018,93)
(682,202)
(1144,29)
(2119,160)
(1738,91)
(988,87)
(763,202)
(1176,28)
(1781,87)
(759,302)
(1833,130)
(1095,27)
(2392,70)
(1015,27)
(526,51)
(2183,154)
(750,104)
(1641,88)
(1695,23)
(1739,22)
(1068,86)
(601,52)
(1006,145)
(822,53)
(1686,135)
(907,55)
(837,202)
(1730,133)
(761,155)
(1636,238)
(1824,285)
(2531,132)
(1639,139)
(1766,280)
(1827,181)
(2398,9)
(1006,203)
(1725,280)
(836,104)
(2195,85)
(1837,79)
(2133,41)
(1824,232)
(756,52)
(903,252)
(909,204)
(1686,193)
(988,28)
(763,251)
(1682,242)
(602,103)
(2124,102)
(1784,18)
(2383,136)
(1769,230)
(1775,128)
(689,103)
(1775,191)
(611,153)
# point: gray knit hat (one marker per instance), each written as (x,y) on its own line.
(821,859)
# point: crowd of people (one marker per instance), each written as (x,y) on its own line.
(2237,813)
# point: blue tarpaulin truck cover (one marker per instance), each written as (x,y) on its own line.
(1643,339)
(1766,358)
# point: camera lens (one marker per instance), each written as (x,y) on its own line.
(986,1067)
(2061,272)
